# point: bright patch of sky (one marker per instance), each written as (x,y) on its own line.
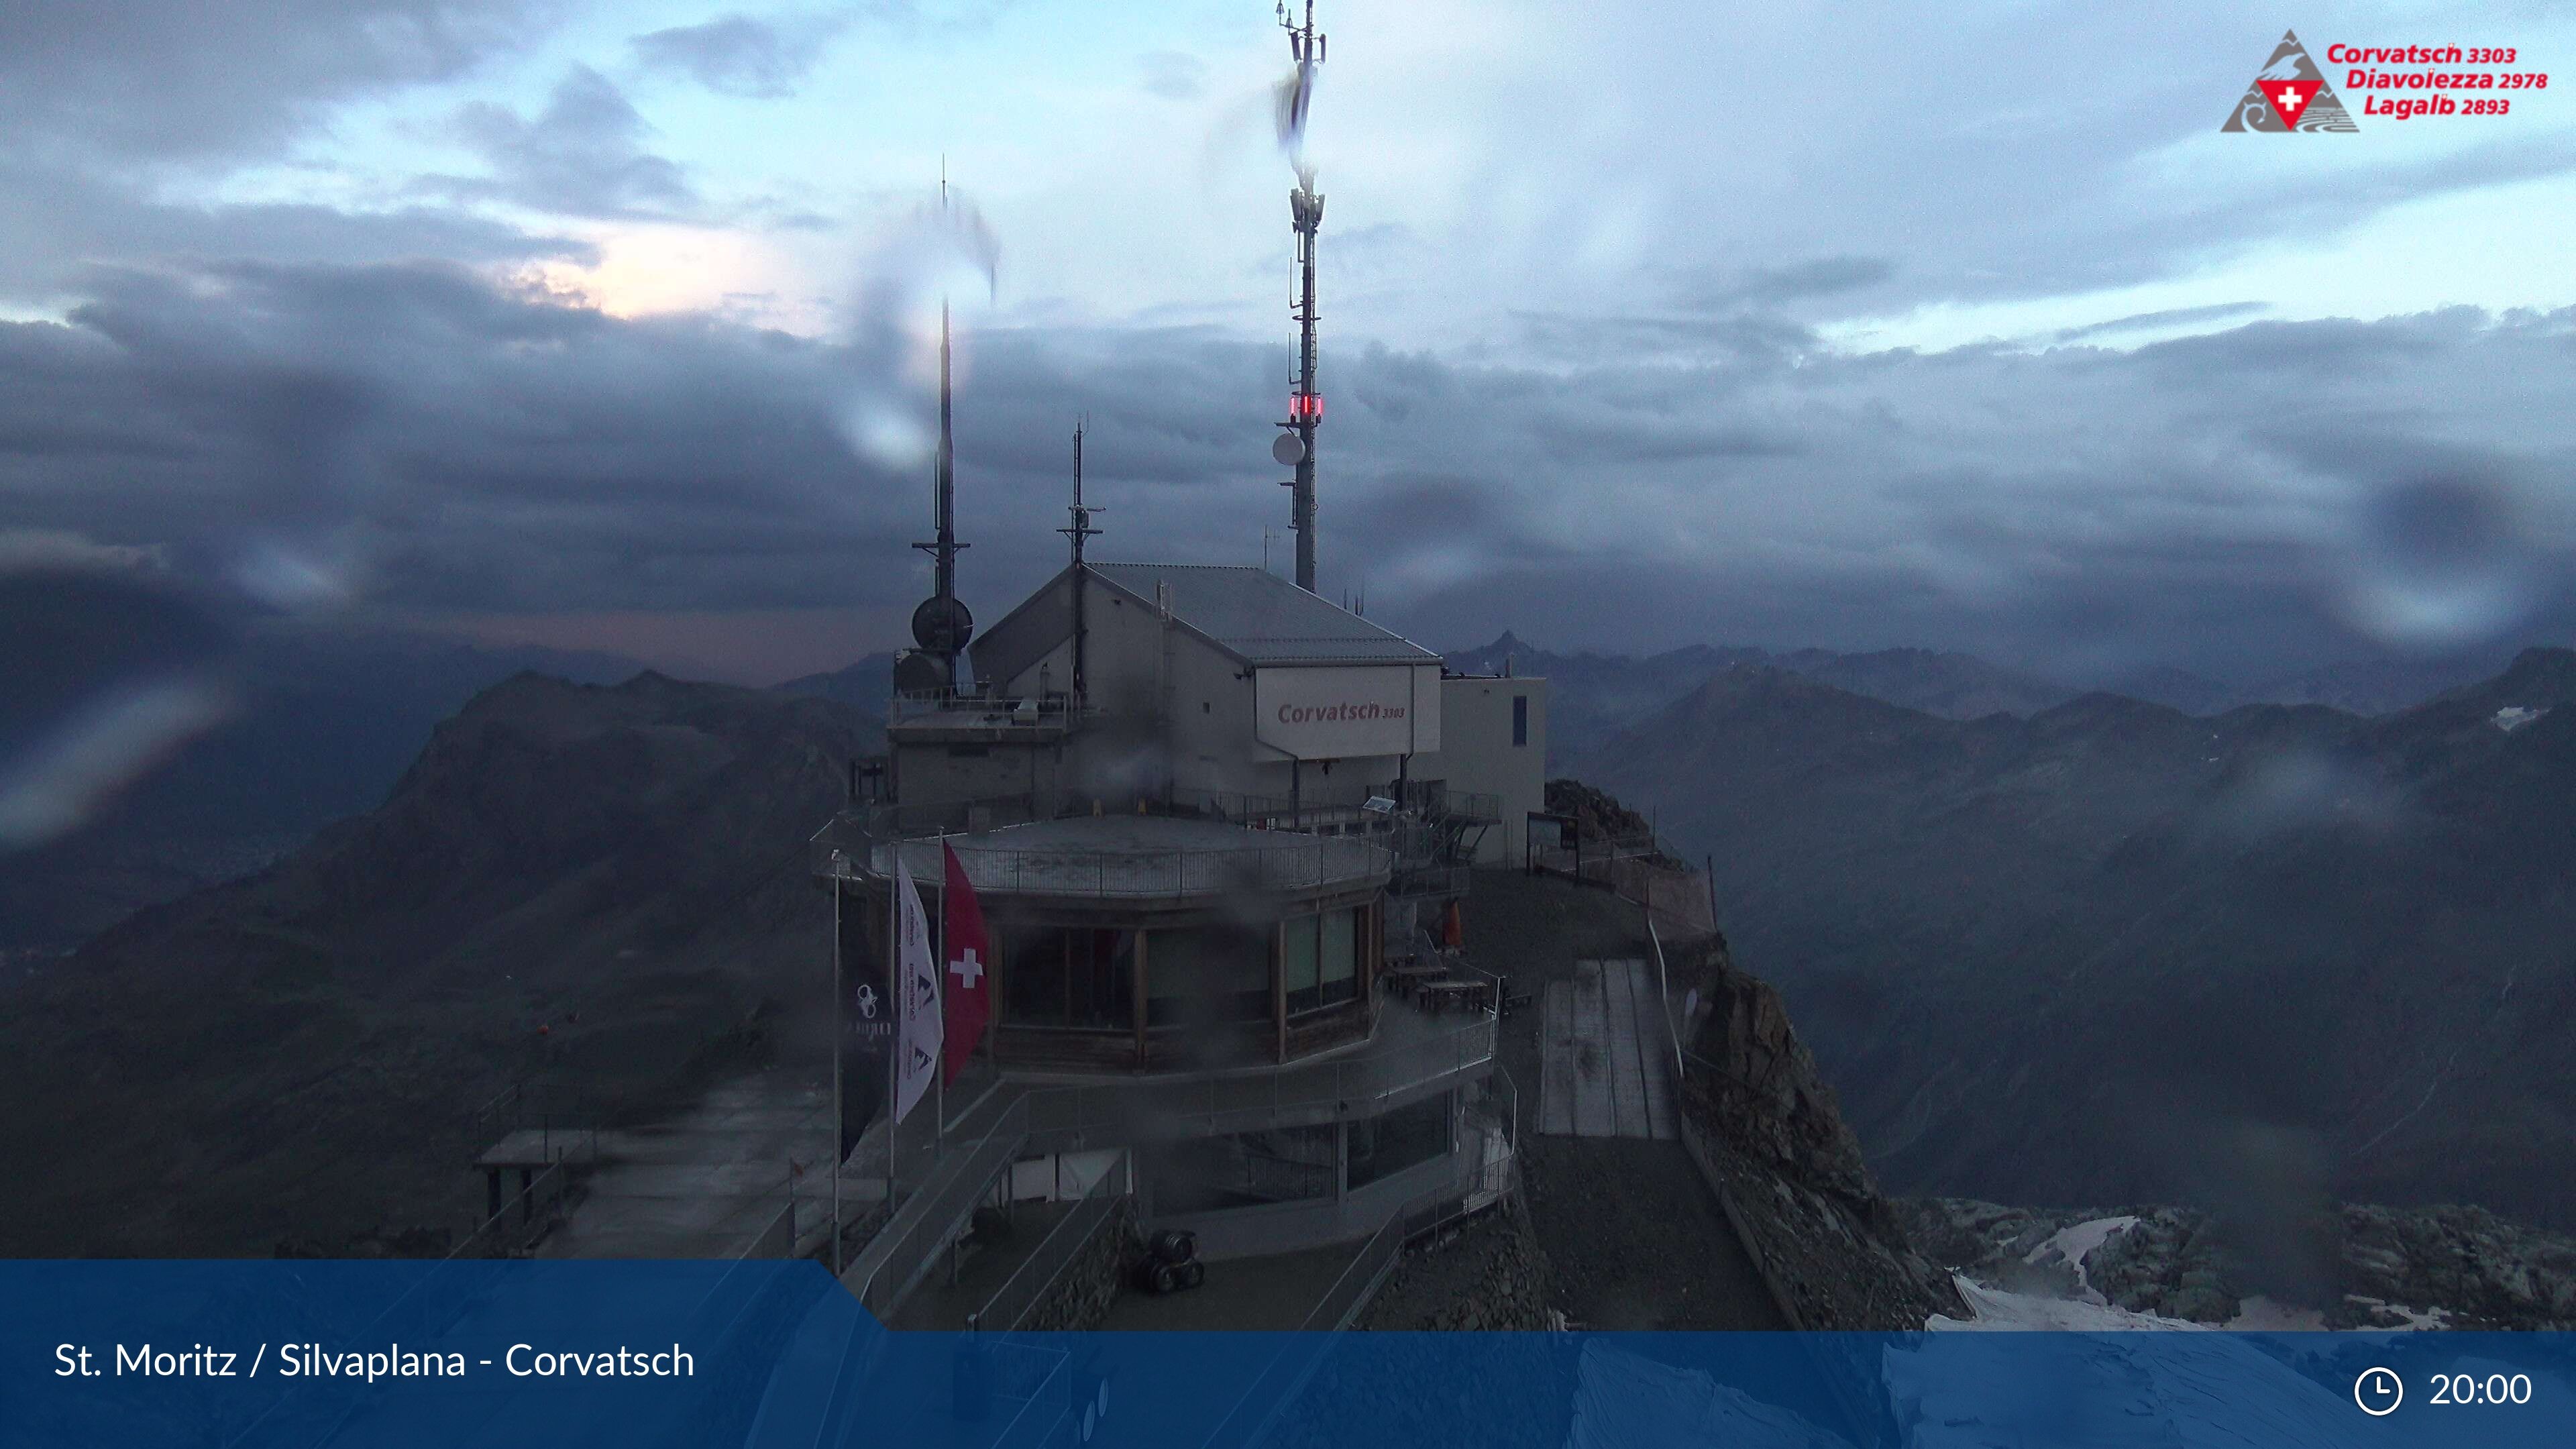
(1485,160)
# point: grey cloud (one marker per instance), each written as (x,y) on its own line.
(2168,317)
(1795,281)
(463,446)
(584,154)
(1175,75)
(58,222)
(737,55)
(137,79)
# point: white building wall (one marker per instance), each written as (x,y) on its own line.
(1479,752)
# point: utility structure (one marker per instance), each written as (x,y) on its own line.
(1306,217)
(941,625)
(1079,530)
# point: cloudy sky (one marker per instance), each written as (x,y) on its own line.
(1646,324)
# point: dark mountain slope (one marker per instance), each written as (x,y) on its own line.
(2114,952)
(296,1053)
(323,726)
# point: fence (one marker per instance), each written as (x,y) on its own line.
(1254,1100)
(522,1220)
(1639,869)
(1018,1296)
(566,1123)
(905,1247)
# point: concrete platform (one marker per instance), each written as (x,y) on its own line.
(708,1183)
(1604,1070)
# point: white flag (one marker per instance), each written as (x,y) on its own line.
(917,1024)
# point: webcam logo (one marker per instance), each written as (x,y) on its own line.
(2290,94)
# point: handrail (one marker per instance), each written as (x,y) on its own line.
(923,1224)
(546,1189)
(1018,1296)
(1253,1099)
(1298,863)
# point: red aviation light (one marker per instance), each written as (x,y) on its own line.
(1305,407)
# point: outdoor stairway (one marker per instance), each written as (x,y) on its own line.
(982,1144)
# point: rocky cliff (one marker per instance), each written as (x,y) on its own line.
(2347,1266)
(1766,1128)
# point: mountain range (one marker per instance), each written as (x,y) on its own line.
(1593,696)
(2112,952)
(320,726)
(608,884)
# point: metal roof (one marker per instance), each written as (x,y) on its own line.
(1262,617)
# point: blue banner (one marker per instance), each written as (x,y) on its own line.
(368,1354)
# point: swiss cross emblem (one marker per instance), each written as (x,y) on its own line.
(2289,98)
(967,969)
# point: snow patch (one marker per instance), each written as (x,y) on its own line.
(2409,1320)
(1997,1311)
(2074,1244)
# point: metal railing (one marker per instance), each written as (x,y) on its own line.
(526,1217)
(1289,864)
(1439,800)
(1250,1101)
(551,1110)
(994,711)
(924,1222)
(1640,869)
(1011,1304)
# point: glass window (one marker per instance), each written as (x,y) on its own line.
(1208,974)
(1320,957)
(1520,720)
(1399,1139)
(1297,960)
(1340,953)
(1076,977)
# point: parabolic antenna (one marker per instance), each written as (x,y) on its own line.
(1289,449)
(942,625)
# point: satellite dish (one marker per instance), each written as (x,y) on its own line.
(942,625)
(919,674)
(1289,449)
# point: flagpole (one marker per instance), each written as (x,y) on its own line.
(840,1108)
(939,988)
(894,1003)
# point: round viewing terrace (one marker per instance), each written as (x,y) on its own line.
(1142,857)
(1153,942)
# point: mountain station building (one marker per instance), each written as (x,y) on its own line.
(1214,824)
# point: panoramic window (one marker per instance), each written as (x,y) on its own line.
(1207,975)
(1078,977)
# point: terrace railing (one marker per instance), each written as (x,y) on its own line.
(1012,1303)
(910,1242)
(1253,1100)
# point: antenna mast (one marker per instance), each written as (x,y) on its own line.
(1306,216)
(1079,530)
(941,625)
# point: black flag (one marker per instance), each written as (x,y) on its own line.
(867,1015)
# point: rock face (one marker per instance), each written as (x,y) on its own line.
(1488,1274)
(604,884)
(1765,1127)
(1080,1298)
(2353,1266)
(2114,953)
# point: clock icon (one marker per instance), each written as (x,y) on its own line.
(2378,1391)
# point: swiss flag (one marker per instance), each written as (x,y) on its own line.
(970,990)
(2290,98)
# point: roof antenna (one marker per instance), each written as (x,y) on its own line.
(1079,530)
(1305,217)
(942,625)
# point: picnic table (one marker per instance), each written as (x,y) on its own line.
(1440,995)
